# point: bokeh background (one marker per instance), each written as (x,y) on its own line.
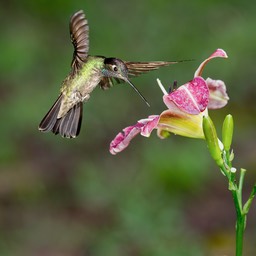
(61,197)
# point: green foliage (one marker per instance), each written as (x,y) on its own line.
(71,197)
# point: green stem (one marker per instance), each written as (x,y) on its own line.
(240,227)
(240,215)
(225,171)
(241,180)
(240,222)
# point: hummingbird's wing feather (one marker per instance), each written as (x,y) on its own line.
(79,34)
(135,69)
(138,68)
(107,82)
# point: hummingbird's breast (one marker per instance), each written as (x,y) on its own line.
(79,87)
(85,84)
(88,77)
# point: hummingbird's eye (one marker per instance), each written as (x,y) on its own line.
(114,67)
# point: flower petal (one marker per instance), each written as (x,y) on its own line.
(149,125)
(143,126)
(218,95)
(192,97)
(181,123)
(218,53)
(122,140)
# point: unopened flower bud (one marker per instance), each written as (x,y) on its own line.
(212,140)
(227,132)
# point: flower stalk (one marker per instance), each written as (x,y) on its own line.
(229,171)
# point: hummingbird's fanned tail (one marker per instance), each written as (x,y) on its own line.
(67,126)
(50,118)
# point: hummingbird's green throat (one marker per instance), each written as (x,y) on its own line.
(87,72)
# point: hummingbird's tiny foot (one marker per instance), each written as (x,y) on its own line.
(78,97)
(86,97)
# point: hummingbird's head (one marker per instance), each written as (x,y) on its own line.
(116,68)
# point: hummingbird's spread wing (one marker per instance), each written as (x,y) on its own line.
(138,68)
(79,33)
(135,69)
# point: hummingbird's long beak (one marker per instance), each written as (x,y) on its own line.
(136,90)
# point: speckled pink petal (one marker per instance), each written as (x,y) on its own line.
(218,94)
(192,97)
(122,140)
(143,126)
(218,53)
(150,124)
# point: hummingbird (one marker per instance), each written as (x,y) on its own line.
(88,72)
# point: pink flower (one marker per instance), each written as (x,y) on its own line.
(186,107)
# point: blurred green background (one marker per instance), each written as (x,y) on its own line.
(159,197)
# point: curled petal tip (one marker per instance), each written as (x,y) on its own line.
(220,53)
